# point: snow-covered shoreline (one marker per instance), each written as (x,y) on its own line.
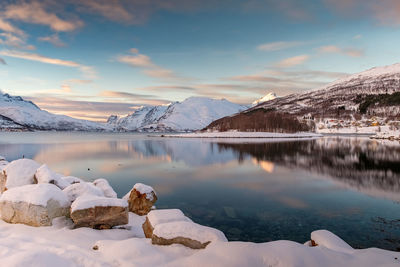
(235,134)
(62,244)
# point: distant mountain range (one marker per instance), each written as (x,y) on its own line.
(372,92)
(19,114)
(194,113)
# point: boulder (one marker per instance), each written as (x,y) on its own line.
(17,173)
(156,217)
(104,186)
(34,205)
(186,233)
(76,190)
(47,176)
(3,164)
(99,212)
(72,179)
(141,199)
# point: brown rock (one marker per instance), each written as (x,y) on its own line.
(194,244)
(141,204)
(3,180)
(100,217)
(147,228)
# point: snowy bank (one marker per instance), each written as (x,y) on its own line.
(173,240)
(235,134)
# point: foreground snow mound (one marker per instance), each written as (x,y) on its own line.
(35,205)
(329,240)
(103,184)
(45,175)
(76,190)
(19,172)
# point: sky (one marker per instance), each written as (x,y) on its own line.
(90,59)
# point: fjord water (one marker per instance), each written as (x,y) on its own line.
(252,190)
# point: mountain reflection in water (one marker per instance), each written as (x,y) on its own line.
(256,192)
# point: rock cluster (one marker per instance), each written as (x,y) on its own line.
(34,195)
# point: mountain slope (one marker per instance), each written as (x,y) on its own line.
(344,96)
(191,114)
(267,97)
(18,113)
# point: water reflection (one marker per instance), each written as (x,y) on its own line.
(251,191)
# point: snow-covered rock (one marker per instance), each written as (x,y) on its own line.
(34,205)
(141,199)
(76,190)
(267,97)
(103,184)
(19,172)
(21,114)
(156,217)
(329,240)
(99,212)
(194,113)
(45,175)
(186,233)
(72,179)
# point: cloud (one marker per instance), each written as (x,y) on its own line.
(385,12)
(135,59)
(65,88)
(2,61)
(11,40)
(86,70)
(53,39)
(275,46)
(115,94)
(337,50)
(358,36)
(111,9)
(90,110)
(36,13)
(142,99)
(8,27)
(292,61)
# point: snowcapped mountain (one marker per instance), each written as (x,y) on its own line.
(267,97)
(19,114)
(347,95)
(191,114)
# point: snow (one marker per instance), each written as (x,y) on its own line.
(45,175)
(72,179)
(191,114)
(2,158)
(36,194)
(235,134)
(76,190)
(90,201)
(267,97)
(103,184)
(190,230)
(20,172)
(157,217)
(145,189)
(60,246)
(327,239)
(26,113)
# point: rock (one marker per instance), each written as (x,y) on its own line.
(17,173)
(99,212)
(2,158)
(186,233)
(72,179)
(34,205)
(103,184)
(141,199)
(76,190)
(156,217)
(45,175)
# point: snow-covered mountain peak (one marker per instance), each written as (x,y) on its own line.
(267,97)
(191,114)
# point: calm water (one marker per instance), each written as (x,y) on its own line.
(251,191)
